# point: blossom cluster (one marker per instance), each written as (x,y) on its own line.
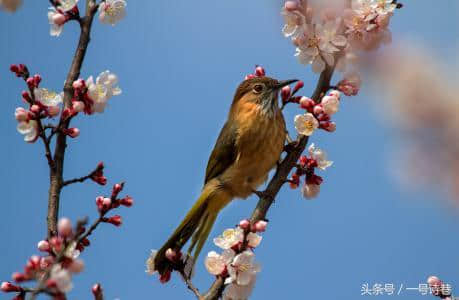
(323,32)
(61,260)
(237,263)
(110,12)
(89,96)
(439,288)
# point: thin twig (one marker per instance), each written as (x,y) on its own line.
(190,285)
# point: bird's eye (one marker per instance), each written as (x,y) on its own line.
(258,88)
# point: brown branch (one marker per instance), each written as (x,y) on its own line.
(190,285)
(268,196)
(56,173)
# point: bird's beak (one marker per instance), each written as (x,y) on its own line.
(283,83)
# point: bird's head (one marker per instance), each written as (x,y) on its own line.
(263,91)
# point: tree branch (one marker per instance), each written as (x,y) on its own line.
(56,173)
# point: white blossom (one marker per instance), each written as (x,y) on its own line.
(62,278)
(112,11)
(306,124)
(319,156)
(239,292)
(102,90)
(47,97)
(150,263)
(253,239)
(330,104)
(229,238)
(29,129)
(243,269)
(66,5)
(57,21)
(216,263)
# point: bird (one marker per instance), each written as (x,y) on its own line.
(248,147)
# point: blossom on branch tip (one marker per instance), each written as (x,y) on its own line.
(216,264)
(243,268)
(8,287)
(64,227)
(96,290)
(260,226)
(112,11)
(350,84)
(61,279)
(21,114)
(330,105)
(319,156)
(229,238)
(29,129)
(114,220)
(239,292)
(57,20)
(306,124)
(102,90)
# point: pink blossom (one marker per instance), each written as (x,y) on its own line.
(43,246)
(64,227)
(8,287)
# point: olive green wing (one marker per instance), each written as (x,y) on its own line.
(224,153)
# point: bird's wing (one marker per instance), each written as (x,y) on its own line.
(224,153)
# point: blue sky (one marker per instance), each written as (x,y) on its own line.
(179,64)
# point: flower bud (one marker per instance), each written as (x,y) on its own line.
(115,220)
(434,280)
(299,85)
(64,227)
(172,255)
(36,79)
(20,277)
(78,84)
(96,290)
(59,19)
(8,287)
(117,188)
(330,104)
(26,97)
(127,201)
(56,243)
(335,93)
(72,132)
(285,93)
(291,5)
(306,103)
(14,68)
(260,226)
(244,224)
(106,203)
(35,109)
(259,71)
(318,109)
(164,278)
(43,246)
(31,83)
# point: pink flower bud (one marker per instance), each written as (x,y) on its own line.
(115,220)
(46,262)
(96,290)
(67,113)
(53,110)
(318,109)
(26,97)
(20,277)
(335,93)
(78,84)
(259,71)
(100,165)
(14,68)
(64,227)
(73,132)
(36,79)
(260,226)
(99,202)
(56,243)
(59,19)
(299,85)
(328,126)
(102,180)
(285,93)
(164,278)
(106,203)
(20,114)
(117,188)
(250,76)
(244,224)
(31,83)
(35,109)
(291,5)
(43,246)
(8,287)
(78,106)
(127,201)
(307,103)
(76,266)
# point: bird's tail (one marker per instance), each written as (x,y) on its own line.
(197,225)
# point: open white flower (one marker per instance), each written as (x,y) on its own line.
(319,156)
(383,7)
(306,124)
(112,11)
(29,129)
(229,238)
(243,269)
(253,239)
(239,292)
(216,263)
(66,5)
(62,277)
(57,21)
(293,22)
(47,97)
(150,263)
(102,90)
